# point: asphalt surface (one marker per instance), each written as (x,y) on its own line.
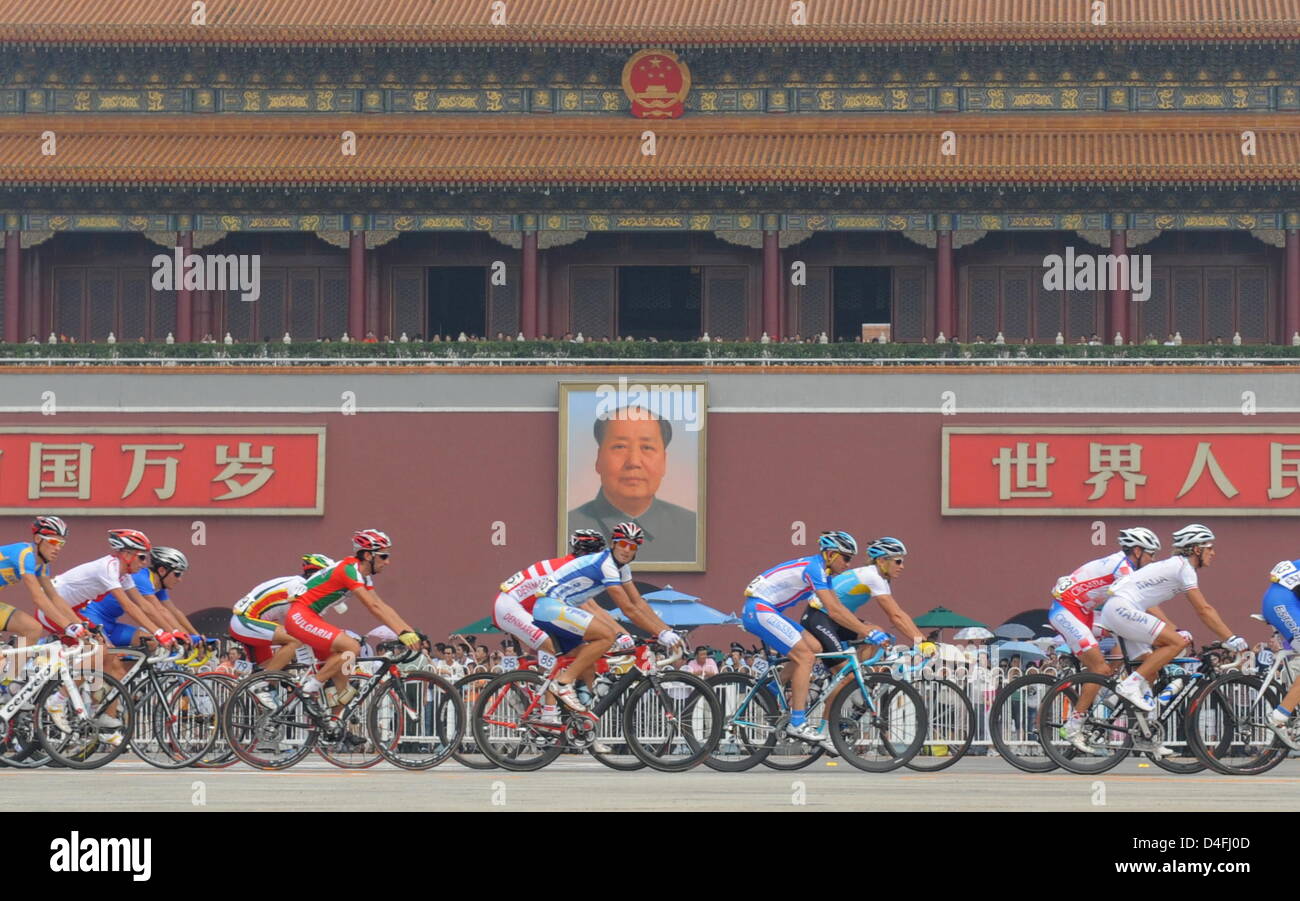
(578,784)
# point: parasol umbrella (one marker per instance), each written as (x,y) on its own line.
(1026,650)
(1013,631)
(1035,619)
(943,618)
(683,611)
(972,633)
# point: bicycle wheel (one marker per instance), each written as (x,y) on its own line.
(85,745)
(882,730)
(19,746)
(467,752)
(1226,726)
(353,749)
(951,718)
(672,721)
(1108,725)
(176,720)
(1013,726)
(416,720)
(266,723)
(1184,760)
(749,724)
(220,755)
(507,723)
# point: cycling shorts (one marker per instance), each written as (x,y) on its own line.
(762,619)
(510,616)
(257,635)
(567,625)
(830,633)
(1130,622)
(48,624)
(119,635)
(6,613)
(1075,626)
(304,624)
(1282,610)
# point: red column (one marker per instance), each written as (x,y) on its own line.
(184,296)
(1291,316)
(1117,321)
(543,297)
(771,285)
(356,286)
(943,292)
(13,287)
(528,290)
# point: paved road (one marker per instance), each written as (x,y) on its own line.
(575,784)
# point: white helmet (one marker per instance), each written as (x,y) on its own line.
(1139,537)
(1191,535)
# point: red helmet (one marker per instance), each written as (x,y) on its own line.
(627,531)
(128,540)
(49,527)
(370,540)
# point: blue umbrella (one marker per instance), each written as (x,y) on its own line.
(679,610)
(1023,648)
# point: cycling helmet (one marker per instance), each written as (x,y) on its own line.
(627,531)
(886,547)
(840,542)
(170,558)
(313,562)
(128,540)
(1139,537)
(586,541)
(1189,536)
(49,527)
(370,540)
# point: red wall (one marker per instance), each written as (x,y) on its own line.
(437,482)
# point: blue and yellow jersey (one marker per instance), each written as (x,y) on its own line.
(17,560)
(146,582)
(855,587)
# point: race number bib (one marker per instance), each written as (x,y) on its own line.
(244,603)
(243,667)
(751,590)
(511,582)
(1286,574)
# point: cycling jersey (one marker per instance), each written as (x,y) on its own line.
(855,587)
(270,600)
(148,583)
(1084,590)
(786,584)
(584,577)
(107,609)
(327,587)
(18,560)
(90,581)
(1153,584)
(523,586)
(1281,602)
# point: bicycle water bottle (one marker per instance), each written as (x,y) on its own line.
(1171,690)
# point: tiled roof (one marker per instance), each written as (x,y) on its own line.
(542,151)
(672,22)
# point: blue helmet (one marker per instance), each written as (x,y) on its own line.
(886,547)
(840,542)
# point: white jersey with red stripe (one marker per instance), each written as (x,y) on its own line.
(90,581)
(523,585)
(1087,587)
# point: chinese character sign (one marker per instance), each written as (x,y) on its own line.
(180,470)
(1060,471)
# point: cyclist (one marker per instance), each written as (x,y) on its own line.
(326,588)
(29,562)
(780,588)
(257,619)
(1282,611)
(1077,597)
(512,612)
(166,566)
(587,630)
(1132,610)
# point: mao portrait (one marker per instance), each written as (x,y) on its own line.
(636,453)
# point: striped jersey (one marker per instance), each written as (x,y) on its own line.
(270,601)
(327,587)
(584,577)
(523,585)
(1087,587)
(786,584)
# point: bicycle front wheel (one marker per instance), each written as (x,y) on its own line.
(416,721)
(672,721)
(881,730)
(951,718)
(1013,723)
(507,723)
(266,723)
(91,740)
(177,721)
(1226,726)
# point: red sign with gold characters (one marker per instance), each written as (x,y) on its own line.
(1068,471)
(657,83)
(172,470)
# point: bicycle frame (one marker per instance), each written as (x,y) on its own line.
(386,675)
